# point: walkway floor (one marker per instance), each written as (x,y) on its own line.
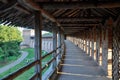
(79,66)
(7,67)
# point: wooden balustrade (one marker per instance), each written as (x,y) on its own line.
(27,67)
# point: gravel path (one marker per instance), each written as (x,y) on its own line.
(7,67)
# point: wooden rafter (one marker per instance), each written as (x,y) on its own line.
(8,5)
(80,5)
(34,6)
(79,24)
(78,19)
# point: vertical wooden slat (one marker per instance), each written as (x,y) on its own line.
(38,42)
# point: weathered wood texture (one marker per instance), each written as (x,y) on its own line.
(97,45)
(105,49)
(116,51)
(38,43)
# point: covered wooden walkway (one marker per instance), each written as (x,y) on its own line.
(79,66)
(93,26)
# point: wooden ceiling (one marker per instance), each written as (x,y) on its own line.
(71,15)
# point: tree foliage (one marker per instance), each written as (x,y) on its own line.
(10,38)
(9,33)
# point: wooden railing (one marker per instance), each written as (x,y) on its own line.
(30,65)
(20,71)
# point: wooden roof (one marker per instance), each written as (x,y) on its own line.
(70,15)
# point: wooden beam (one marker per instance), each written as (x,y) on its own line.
(32,5)
(79,24)
(76,27)
(18,7)
(77,19)
(80,5)
(7,6)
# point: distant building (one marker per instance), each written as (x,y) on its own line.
(29,40)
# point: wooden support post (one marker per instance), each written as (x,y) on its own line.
(116,51)
(100,56)
(89,43)
(80,43)
(59,43)
(105,49)
(54,46)
(38,43)
(62,37)
(97,45)
(92,47)
(86,41)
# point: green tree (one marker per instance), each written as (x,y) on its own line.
(9,33)
(10,38)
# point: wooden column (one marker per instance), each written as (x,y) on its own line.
(116,51)
(80,42)
(105,49)
(38,43)
(59,43)
(97,45)
(54,46)
(92,47)
(86,41)
(62,37)
(83,41)
(89,43)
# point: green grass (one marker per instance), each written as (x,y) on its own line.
(26,75)
(8,61)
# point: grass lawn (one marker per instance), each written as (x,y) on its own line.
(26,75)
(8,61)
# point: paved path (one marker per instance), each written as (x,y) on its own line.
(79,66)
(5,68)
